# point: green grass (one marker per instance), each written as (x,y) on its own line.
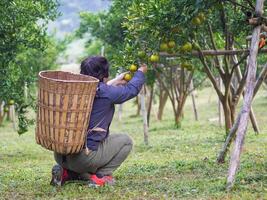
(177,164)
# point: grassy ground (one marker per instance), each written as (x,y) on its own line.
(178,164)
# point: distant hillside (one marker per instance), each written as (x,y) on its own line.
(69,20)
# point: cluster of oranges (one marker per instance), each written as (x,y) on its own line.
(10,103)
(132,69)
(155,58)
(199,19)
(170,47)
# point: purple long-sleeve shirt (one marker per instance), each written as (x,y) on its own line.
(103,106)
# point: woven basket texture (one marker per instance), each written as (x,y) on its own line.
(64,106)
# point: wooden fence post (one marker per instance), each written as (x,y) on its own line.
(244,114)
(251,114)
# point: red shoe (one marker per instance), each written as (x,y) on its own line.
(60,175)
(98,182)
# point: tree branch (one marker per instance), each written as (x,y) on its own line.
(221,72)
(210,75)
(239,62)
(260,79)
(187,85)
(176,86)
(166,89)
(240,88)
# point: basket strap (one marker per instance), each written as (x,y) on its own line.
(95,128)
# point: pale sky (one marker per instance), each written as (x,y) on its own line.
(69,20)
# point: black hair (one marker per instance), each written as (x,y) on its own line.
(96,66)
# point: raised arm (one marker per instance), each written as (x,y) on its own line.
(120,94)
(118,80)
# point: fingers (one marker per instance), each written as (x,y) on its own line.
(143,68)
(121,76)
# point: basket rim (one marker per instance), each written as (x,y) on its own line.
(95,80)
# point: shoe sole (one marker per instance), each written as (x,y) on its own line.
(57,172)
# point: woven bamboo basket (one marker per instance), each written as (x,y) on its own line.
(64,106)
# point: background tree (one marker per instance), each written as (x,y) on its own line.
(105,28)
(188,31)
(22,36)
(182,25)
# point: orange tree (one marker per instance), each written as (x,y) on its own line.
(105,29)
(205,27)
(23,43)
(166,33)
(178,27)
(128,44)
(152,28)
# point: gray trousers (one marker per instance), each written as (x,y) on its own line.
(108,157)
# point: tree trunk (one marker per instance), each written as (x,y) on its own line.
(8,114)
(138,106)
(13,117)
(162,102)
(26,91)
(120,112)
(227,116)
(1,112)
(251,78)
(220,104)
(230,136)
(178,118)
(1,119)
(193,100)
(233,110)
(179,110)
(150,104)
(144,115)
